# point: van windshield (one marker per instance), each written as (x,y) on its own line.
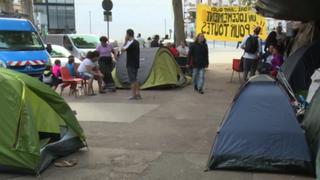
(20,41)
(85,41)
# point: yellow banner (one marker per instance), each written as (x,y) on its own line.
(228,23)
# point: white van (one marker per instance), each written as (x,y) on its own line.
(78,44)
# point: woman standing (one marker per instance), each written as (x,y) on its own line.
(199,60)
(106,50)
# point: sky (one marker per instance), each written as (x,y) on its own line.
(143,16)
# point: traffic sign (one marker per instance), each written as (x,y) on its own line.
(107,5)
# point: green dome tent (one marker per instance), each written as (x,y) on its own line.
(37,126)
(158,68)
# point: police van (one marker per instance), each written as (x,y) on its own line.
(21,48)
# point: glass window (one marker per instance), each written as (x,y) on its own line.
(52,1)
(40,14)
(85,41)
(70,1)
(20,40)
(61,1)
(40,1)
(59,52)
(61,15)
(70,19)
(53,21)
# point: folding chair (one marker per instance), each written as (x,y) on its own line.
(236,68)
(68,79)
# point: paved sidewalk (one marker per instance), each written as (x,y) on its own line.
(166,136)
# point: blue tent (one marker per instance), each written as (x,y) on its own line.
(260,132)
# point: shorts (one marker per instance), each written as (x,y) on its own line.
(86,75)
(132,74)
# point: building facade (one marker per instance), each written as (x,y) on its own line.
(54,16)
(189,11)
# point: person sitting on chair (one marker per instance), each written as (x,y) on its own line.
(89,70)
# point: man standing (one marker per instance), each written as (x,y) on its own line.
(133,62)
(252,49)
(141,41)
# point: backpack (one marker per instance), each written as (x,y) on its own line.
(252,45)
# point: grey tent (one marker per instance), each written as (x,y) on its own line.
(295,10)
(158,68)
(299,67)
(311,123)
(260,132)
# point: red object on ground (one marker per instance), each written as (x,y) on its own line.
(274,73)
(236,65)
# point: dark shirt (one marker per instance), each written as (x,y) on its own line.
(133,55)
(154,43)
(199,55)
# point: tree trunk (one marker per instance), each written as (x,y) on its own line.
(307,34)
(179,33)
(28,8)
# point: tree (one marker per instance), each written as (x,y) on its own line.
(179,33)
(247,2)
(28,8)
(231,2)
(6,6)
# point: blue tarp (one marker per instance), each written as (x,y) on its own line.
(261,132)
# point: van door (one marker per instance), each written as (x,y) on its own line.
(67,43)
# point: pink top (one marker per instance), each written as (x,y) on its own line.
(105,51)
(276,62)
(56,71)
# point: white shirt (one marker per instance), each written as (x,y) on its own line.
(83,65)
(183,52)
(148,44)
(269,59)
(128,44)
(249,55)
(141,42)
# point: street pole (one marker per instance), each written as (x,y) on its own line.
(108,25)
(90,22)
(165,27)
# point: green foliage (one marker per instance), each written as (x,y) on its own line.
(231,1)
(247,2)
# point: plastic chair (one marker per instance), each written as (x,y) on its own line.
(236,68)
(68,79)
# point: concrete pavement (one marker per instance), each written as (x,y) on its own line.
(166,136)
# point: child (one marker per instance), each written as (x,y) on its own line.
(70,66)
(56,71)
(46,77)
